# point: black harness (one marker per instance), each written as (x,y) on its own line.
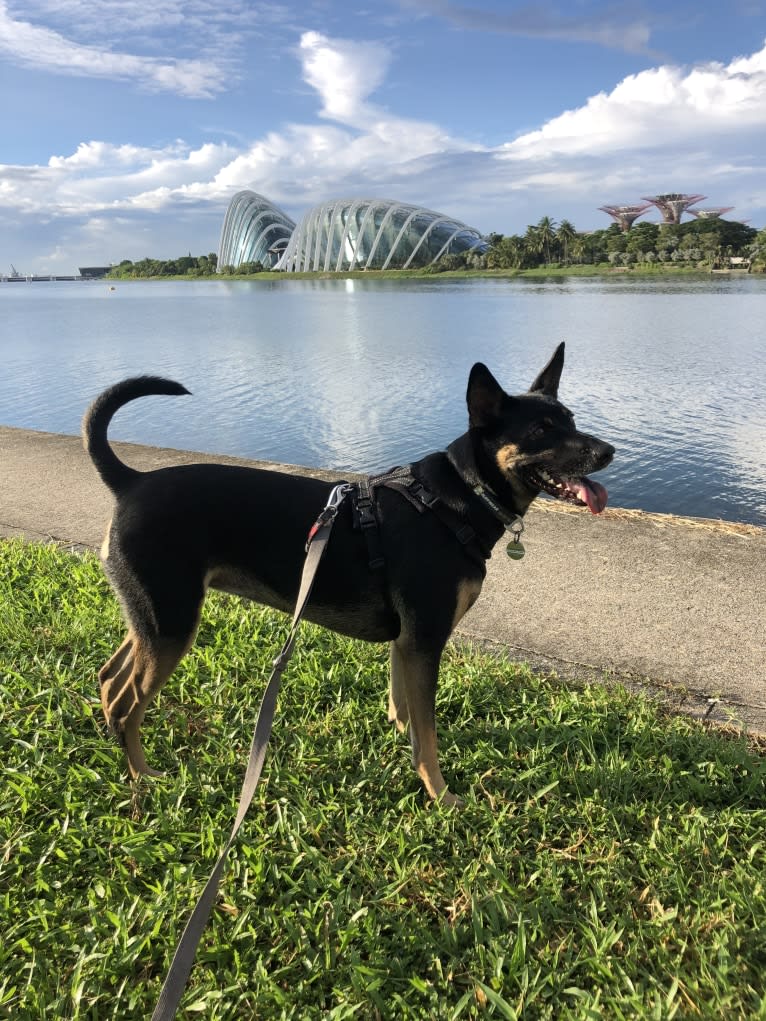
(403,481)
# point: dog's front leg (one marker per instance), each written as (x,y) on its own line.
(414,675)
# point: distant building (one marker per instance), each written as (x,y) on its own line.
(254,230)
(340,235)
(93,272)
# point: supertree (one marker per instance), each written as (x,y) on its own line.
(710,214)
(625,215)
(673,205)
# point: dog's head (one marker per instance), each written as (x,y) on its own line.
(530,442)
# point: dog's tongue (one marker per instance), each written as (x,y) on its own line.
(591,493)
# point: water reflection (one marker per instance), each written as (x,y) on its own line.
(362,374)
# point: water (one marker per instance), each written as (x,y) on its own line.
(363,374)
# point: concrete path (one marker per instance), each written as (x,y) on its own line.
(677,605)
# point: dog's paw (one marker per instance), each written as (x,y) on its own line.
(401,725)
(449,800)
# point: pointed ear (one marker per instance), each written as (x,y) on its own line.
(484,396)
(548,381)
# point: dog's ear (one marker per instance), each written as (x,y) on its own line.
(484,397)
(548,381)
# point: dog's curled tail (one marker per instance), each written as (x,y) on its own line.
(113,472)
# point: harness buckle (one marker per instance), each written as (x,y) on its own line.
(426,497)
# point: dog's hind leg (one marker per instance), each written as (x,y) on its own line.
(415,671)
(129,681)
(161,632)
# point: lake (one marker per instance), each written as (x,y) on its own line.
(363,374)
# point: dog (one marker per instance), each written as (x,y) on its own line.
(404,563)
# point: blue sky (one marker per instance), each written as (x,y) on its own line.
(127,125)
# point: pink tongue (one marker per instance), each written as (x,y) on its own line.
(591,493)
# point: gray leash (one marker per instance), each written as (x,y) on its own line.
(183,960)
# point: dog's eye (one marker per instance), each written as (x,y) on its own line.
(542,427)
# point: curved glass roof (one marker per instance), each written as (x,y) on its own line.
(254,230)
(340,235)
(374,234)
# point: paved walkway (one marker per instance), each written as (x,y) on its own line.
(676,604)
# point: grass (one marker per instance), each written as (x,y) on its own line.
(610,861)
(602,269)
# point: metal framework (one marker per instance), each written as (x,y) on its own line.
(361,233)
(625,215)
(342,234)
(710,214)
(673,205)
(253,230)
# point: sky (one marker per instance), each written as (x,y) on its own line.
(128,125)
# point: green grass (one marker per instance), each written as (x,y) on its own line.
(602,269)
(610,861)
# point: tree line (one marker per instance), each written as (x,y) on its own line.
(696,243)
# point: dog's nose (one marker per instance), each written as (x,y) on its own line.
(605,453)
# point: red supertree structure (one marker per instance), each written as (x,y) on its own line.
(673,205)
(625,215)
(709,214)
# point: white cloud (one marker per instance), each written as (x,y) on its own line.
(37,46)
(663,106)
(344,73)
(666,129)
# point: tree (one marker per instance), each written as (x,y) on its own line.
(506,252)
(578,247)
(546,233)
(642,237)
(566,235)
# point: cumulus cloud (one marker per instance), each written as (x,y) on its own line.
(657,107)
(344,73)
(663,129)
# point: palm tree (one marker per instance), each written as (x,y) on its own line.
(566,235)
(578,247)
(546,233)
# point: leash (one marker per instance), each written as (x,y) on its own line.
(183,959)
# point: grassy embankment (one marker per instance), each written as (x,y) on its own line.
(600,270)
(610,861)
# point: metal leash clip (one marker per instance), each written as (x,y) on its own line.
(337,495)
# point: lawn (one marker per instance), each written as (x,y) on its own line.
(610,861)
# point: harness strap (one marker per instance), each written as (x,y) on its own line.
(364,506)
(183,960)
(402,481)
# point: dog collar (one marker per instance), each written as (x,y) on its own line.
(512,522)
(468,472)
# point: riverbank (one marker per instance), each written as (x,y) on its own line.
(541,272)
(672,604)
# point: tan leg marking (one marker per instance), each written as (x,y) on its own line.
(397,695)
(105,543)
(129,681)
(417,674)
(467,593)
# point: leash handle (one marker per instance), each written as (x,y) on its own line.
(183,959)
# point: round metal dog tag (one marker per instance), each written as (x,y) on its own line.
(515,550)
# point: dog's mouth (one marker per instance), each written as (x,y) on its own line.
(579,490)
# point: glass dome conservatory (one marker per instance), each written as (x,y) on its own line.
(253,230)
(374,234)
(340,235)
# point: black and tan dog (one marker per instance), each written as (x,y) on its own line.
(405,578)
